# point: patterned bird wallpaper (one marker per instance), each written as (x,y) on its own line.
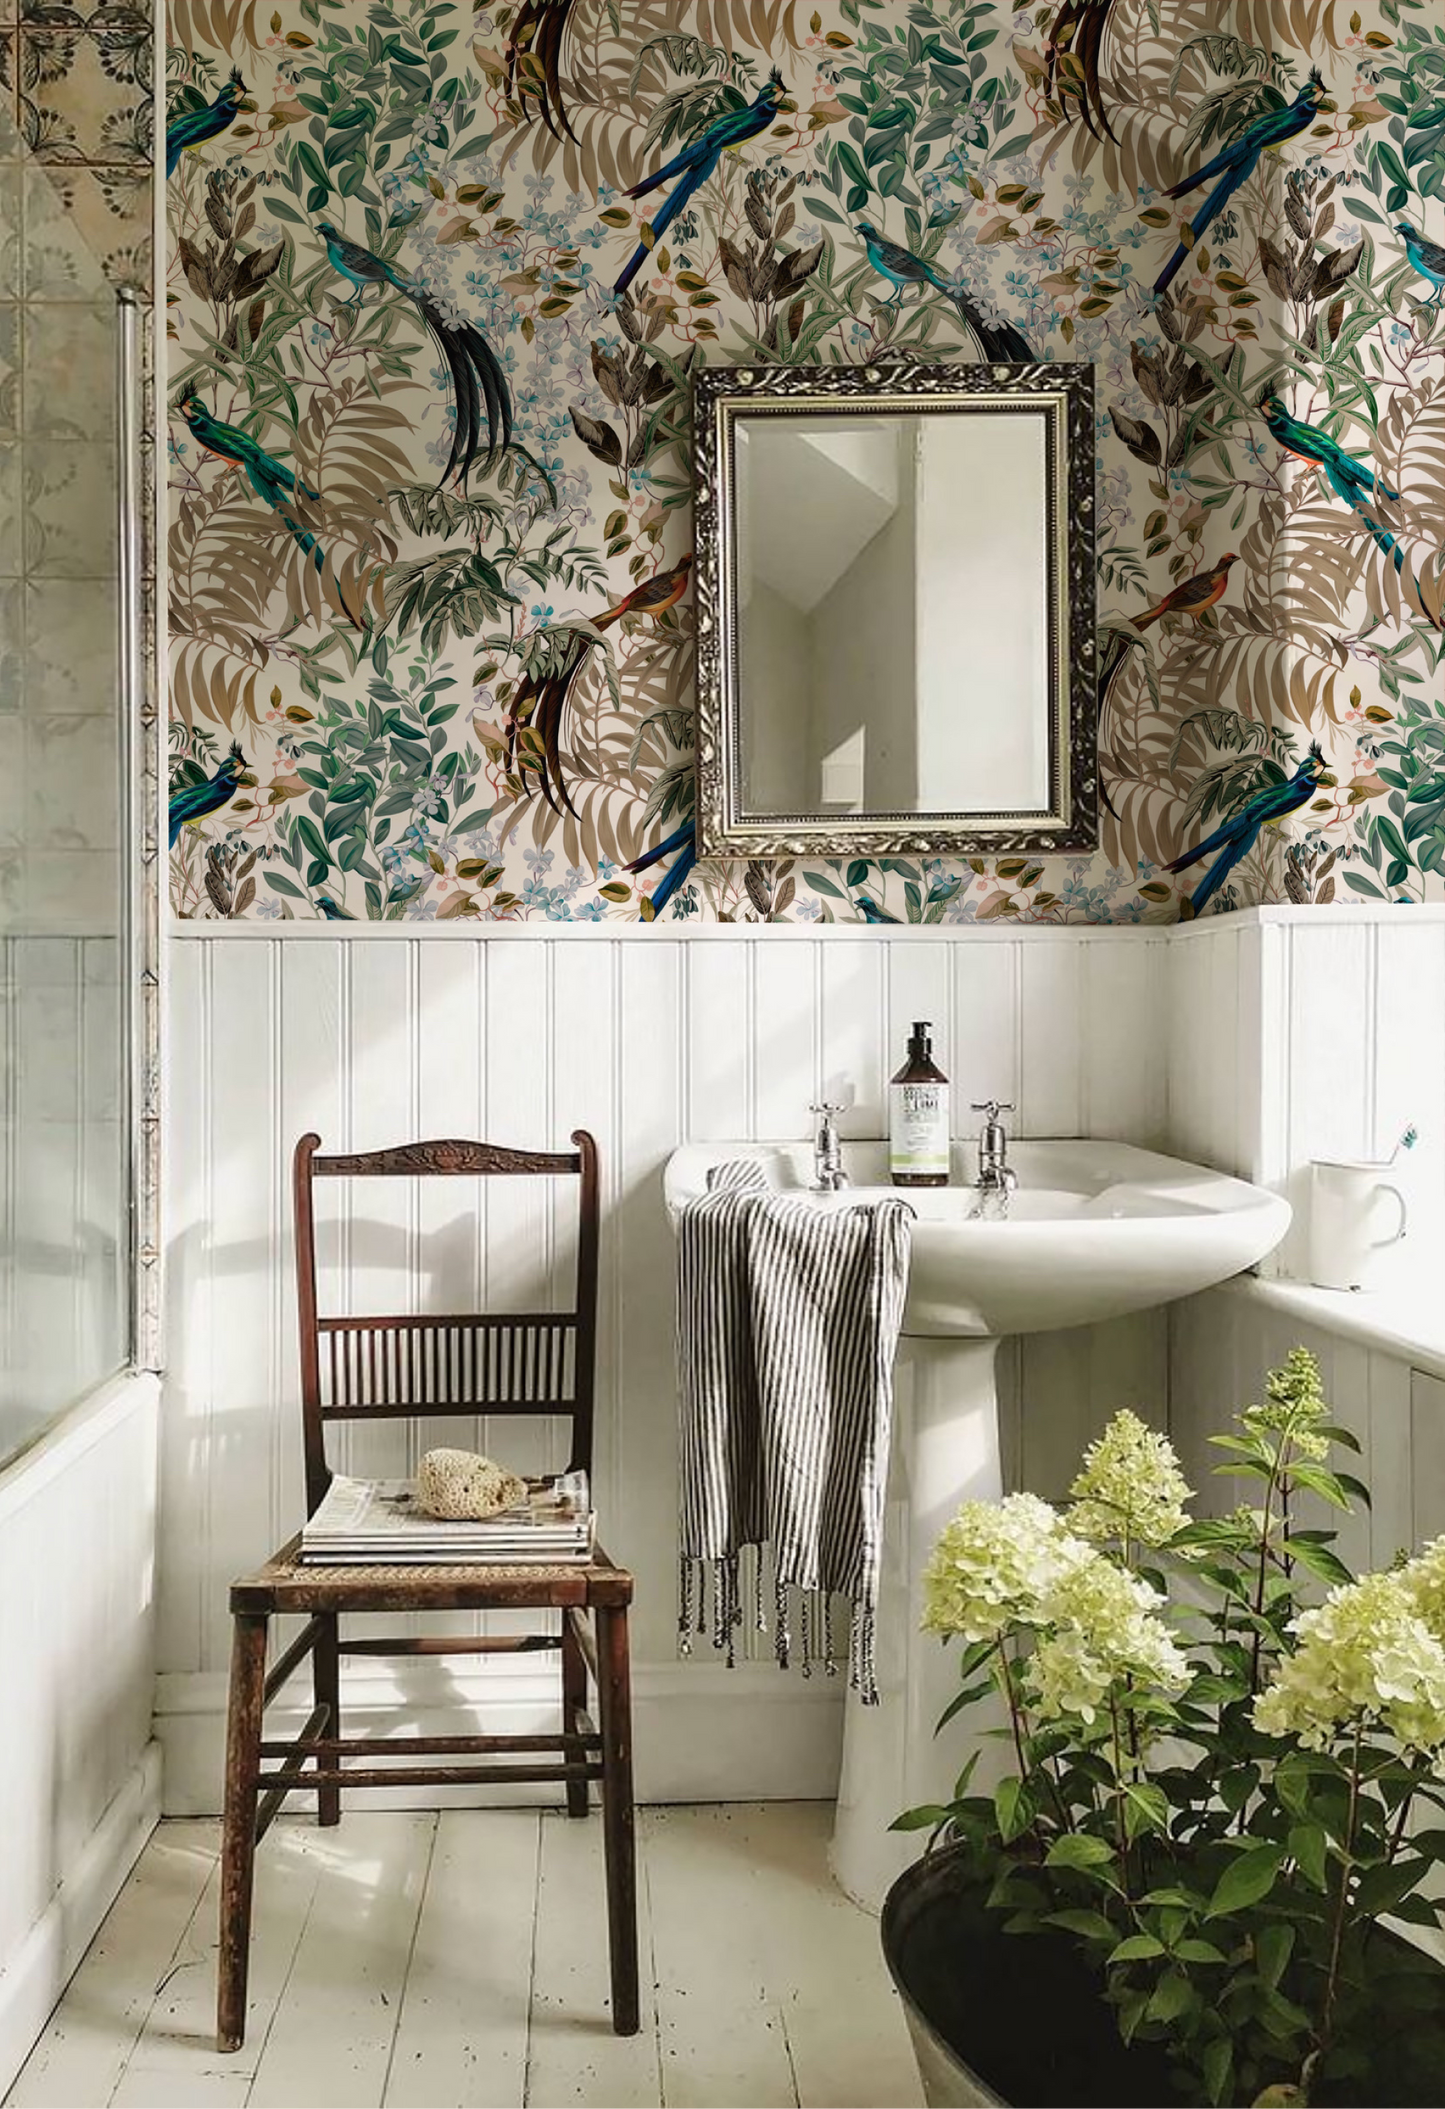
(440,274)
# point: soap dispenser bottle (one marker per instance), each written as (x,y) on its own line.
(918,1124)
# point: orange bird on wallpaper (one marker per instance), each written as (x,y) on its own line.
(1191,596)
(543,703)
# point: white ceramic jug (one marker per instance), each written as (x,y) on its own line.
(1349,1229)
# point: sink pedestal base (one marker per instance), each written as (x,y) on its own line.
(945,1451)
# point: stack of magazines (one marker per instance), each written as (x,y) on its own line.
(376,1520)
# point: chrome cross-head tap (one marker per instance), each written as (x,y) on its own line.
(995,1173)
(828,1173)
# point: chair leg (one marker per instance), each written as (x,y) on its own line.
(238,1825)
(614,1698)
(574,1707)
(326,1683)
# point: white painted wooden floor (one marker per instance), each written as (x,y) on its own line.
(454,1960)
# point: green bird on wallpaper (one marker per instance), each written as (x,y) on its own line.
(1346,477)
(274,484)
(996,340)
(194,801)
(476,371)
(193,128)
(698,159)
(1233,166)
(1427,258)
(1240,832)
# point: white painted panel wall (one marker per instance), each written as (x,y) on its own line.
(1313,1033)
(649,1041)
(1221,1345)
(82,1779)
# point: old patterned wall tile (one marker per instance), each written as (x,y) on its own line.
(70,519)
(10,338)
(70,646)
(107,225)
(13,666)
(70,370)
(84,96)
(12,179)
(1258,588)
(11,510)
(58,261)
(70,781)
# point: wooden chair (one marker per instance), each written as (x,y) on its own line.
(375,1368)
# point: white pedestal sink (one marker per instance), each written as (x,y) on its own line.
(1095,1230)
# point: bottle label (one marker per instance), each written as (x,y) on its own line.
(918,1128)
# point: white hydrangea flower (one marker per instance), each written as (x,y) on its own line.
(1424,1578)
(1130,1487)
(994,1564)
(1365,1657)
(1103,1627)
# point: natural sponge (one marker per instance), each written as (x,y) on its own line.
(454,1484)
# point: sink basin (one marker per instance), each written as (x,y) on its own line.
(1093,1231)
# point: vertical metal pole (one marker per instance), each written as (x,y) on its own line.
(139,931)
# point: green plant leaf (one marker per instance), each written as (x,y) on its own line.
(1273,1945)
(1089,1925)
(1075,1849)
(1138,1948)
(1217,2065)
(1173,1995)
(1248,1878)
(1309,1847)
(926,1817)
(1015,1808)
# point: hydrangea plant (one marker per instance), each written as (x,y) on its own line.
(1218,1791)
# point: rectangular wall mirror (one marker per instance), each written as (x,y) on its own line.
(895,609)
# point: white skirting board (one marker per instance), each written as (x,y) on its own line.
(39,1972)
(700,1732)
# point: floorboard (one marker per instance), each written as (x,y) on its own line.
(459,1961)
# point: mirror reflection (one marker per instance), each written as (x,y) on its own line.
(893,608)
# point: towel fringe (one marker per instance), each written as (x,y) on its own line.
(711,1598)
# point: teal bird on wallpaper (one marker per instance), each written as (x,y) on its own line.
(1346,477)
(871,912)
(1240,832)
(271,480)
(1235,164)
(697,161)
(684,840)
(996,340)
(195,127)
(1426,257)
(194,801)
(476,371)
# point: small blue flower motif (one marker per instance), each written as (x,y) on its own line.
(321,334)
(420,911)
(269,911)
(591,912)
(606,870)
(177,448)
(1401,336)
(539,859)
(807,910)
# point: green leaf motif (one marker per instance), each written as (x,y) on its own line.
(1246,1881)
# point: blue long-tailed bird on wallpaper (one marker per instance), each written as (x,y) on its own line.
(696,162)
(1235,164)
(1238,835)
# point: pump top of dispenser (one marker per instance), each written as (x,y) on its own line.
(920,1040)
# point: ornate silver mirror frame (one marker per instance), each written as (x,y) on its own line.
(1063,397)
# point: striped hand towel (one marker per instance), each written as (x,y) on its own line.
(788,1319)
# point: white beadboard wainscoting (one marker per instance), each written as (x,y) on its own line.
(1314,1033)
(1251,1042)
(82,1776)
(1220,1345)
(649,1041)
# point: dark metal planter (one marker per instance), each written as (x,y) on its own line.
(996,2020)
